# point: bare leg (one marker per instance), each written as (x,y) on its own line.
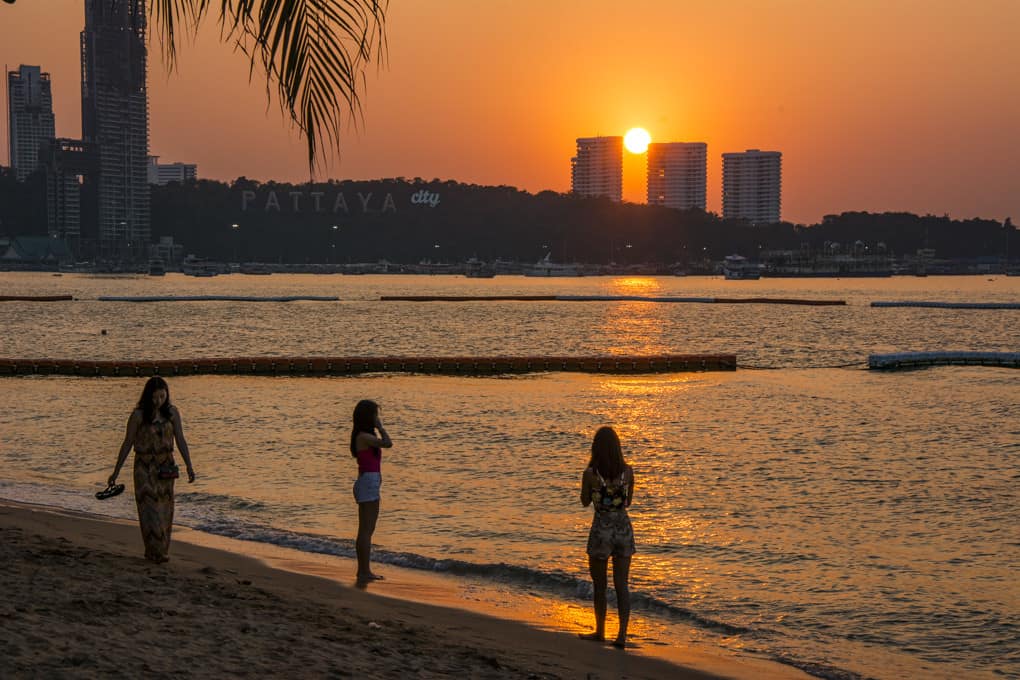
(598,568)
(368,514)
(621,577)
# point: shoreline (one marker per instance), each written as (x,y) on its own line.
(81,600)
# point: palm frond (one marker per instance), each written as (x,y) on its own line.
(312,52)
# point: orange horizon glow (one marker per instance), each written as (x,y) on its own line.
(875,106)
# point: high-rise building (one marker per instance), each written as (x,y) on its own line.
(752,185)
(164,173)
(30,117)
(676,174)
(115,121)
(597,169)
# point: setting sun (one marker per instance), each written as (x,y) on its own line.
(636,140)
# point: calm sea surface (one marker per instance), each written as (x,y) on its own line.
(849,522)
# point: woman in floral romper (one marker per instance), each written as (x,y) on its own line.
(608,485)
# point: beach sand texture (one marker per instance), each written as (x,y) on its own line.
(78,600)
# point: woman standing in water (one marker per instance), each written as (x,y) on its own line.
(608,485)
(367,447)
(152,429)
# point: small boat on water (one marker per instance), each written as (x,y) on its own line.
(739,268)
(546,267)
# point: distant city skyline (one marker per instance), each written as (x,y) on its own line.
(878,106)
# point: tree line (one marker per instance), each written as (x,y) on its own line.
(409,220)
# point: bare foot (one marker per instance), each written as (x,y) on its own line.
(620,644)
(595,637)
(366,578)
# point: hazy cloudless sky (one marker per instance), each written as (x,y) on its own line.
(876,104)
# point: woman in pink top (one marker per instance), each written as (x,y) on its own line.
(367,447)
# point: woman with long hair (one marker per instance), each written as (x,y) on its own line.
(608,485)
(366,447)
(154,426)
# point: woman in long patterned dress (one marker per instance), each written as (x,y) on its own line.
(152,429)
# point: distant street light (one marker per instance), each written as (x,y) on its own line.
(235,227)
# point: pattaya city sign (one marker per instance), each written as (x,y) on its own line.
(323,202)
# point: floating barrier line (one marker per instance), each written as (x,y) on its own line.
(855,364)
(950,305)
(604,298)
(669,363)
(779,301)
(630,298)
(35,298)
(464,298)
(945,358)
(207,298)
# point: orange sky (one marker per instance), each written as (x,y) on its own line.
(876,104)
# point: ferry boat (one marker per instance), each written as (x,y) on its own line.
(739,268)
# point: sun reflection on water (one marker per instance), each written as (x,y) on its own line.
(635,285)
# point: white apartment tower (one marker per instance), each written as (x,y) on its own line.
(597,169)
(30,117)
(676,174)
(752,186)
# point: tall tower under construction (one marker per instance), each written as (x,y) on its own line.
(115,121)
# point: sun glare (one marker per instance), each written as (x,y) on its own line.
(636,140)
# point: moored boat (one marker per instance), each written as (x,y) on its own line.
(546,267)
(739,268)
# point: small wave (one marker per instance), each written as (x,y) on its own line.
(553,582)
(215,499)
(819,670)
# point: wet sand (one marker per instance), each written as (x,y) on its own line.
(78,600)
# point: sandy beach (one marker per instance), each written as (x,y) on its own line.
(79,601)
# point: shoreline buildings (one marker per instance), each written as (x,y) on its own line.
(676,174)
(115,121)
(752,186)
(30,117)
(162,174)
(597,169)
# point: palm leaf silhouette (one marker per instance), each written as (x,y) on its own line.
(313,52)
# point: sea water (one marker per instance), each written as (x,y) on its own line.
(849,522)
